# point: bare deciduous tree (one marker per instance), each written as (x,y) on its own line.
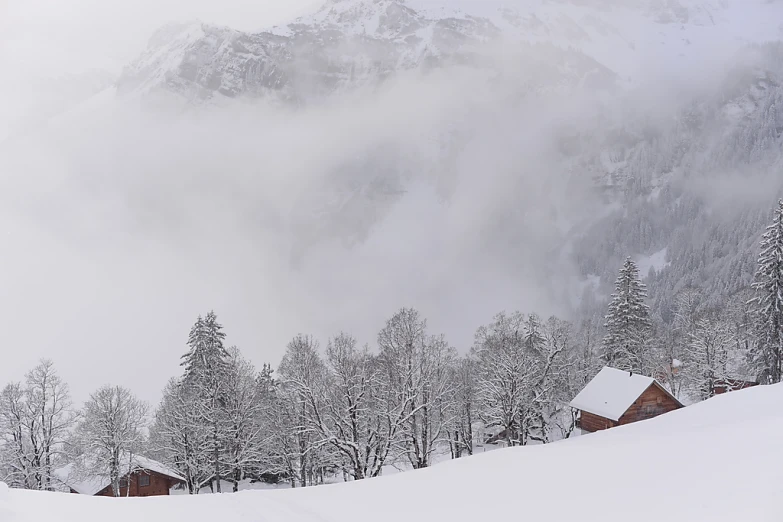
(110,433)
(179,437)
(35,420)
(506,373)
(416,383)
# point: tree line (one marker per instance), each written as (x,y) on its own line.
(347,411)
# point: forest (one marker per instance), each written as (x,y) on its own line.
(345,411)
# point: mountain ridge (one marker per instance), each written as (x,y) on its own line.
(359,42)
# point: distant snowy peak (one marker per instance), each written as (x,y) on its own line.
(529,19)
(344,43)
(354,42)
(199,60)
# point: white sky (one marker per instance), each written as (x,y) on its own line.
(68,35)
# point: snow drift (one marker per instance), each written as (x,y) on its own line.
(717,460)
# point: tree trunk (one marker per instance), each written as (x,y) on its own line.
(237,477)
(468,438)
(217,462)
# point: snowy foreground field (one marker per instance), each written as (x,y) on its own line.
(717,460)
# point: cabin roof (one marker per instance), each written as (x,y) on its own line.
(612,392)
(93,484)
(85,485)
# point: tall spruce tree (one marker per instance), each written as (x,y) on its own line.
(627,322)
(206,357)
(533,336)
(206,375)
(768,302)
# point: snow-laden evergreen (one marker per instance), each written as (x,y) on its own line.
(206,358)
(628,325)
(768,302)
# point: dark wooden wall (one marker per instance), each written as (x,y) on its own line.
(590,422)
(159,485)
(653,402)
(732,385)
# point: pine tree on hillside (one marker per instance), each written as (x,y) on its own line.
(627,322)
(533,337)
(768,302)
(206,374)
(206,357)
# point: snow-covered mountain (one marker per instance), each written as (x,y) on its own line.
(356,42)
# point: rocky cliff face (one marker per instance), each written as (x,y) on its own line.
(361,42)
(346,43)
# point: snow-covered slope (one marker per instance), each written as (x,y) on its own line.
(717,460)
(350,42)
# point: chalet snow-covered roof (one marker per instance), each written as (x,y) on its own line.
(154,465)
(92,484)
(612,392)
(85,485)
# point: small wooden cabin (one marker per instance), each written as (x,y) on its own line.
(143,483)
(148,479)
(615,397)
(728,385)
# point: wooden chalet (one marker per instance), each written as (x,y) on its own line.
(615,397)
(497,439)
(728,385)
(149,478)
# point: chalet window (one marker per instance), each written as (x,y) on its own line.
(123,483)
(144,480)
(649,411)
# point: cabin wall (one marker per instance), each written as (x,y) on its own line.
(732,385)
(590,422)
(159,485)
(653,402)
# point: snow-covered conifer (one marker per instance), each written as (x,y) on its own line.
(768,301)
(206,373)
(206,358)
(628,322)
